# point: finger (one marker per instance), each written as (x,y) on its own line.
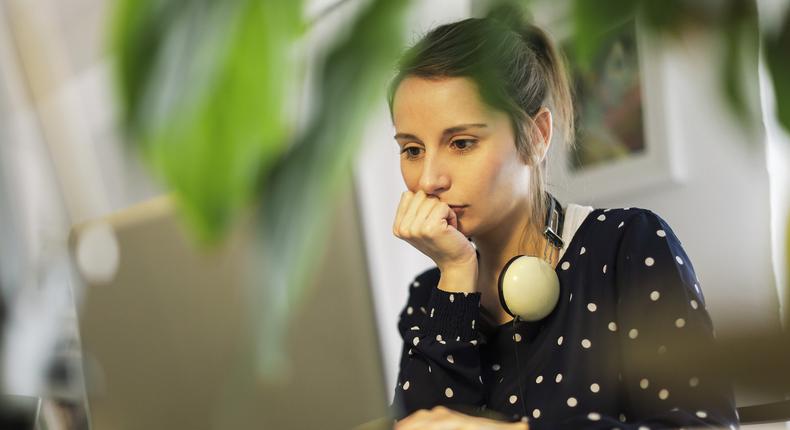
(421,222)
(426,422)
(417,420)
(405,198)
(442,211)
(411,212)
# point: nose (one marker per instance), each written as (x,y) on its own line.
(435,177)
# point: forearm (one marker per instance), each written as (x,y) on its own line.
(440,364)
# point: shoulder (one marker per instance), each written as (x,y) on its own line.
(648,247)
(627,222)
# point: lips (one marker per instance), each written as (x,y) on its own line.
(458,206)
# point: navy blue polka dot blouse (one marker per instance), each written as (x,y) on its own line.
(626,286)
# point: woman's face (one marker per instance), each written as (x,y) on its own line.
(455,147)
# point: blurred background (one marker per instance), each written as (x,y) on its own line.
(196,197)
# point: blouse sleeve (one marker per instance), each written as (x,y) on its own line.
(661,317)
(440,360)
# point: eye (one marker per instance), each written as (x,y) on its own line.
(466,144)
(409,154)
(461,145)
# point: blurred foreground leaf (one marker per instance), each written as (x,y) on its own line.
(593,22)
(203,85)
(741,36)
(301,189)
(777,55)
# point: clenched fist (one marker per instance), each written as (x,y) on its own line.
(431,226)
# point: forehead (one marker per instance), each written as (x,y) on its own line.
(421,102)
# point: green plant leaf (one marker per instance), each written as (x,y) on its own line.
(203,85)
(593,22)
(299,192)
(740,34)
(777,55)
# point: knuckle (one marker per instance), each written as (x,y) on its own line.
(430,230)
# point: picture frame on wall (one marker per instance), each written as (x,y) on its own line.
(625,131)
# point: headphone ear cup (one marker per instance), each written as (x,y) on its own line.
(528,288)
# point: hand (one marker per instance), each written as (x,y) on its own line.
(432,227)
(442,418)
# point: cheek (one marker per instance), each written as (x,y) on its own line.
(502,187)
(492,173)
(411,177)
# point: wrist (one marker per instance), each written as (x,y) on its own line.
(458,278)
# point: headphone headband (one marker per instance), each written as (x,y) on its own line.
(555,217)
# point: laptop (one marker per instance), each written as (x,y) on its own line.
(167,343)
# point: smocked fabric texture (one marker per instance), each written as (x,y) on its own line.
(626,286)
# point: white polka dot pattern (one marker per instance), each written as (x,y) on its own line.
(636,291)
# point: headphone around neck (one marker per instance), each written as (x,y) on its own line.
(529,288)
(528,285)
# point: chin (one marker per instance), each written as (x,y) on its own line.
(464,230)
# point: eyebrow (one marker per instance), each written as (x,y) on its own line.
(447,131)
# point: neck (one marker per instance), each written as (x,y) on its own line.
(497,246)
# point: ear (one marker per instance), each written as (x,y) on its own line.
(542,132)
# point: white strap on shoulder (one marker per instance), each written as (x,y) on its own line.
(574,216)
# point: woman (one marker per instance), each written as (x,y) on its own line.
(475,106)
